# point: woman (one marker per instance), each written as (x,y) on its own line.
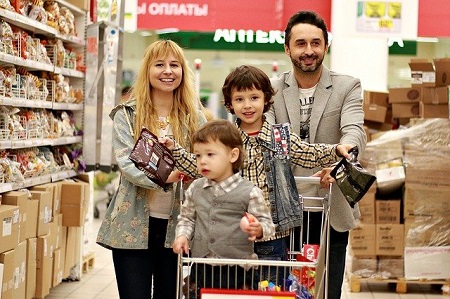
(140,222)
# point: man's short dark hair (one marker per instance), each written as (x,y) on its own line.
(305,17)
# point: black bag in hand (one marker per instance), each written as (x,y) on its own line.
(353,180)
(153,158)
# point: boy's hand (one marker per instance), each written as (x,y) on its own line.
(342,150)
(251,226)
(181,245)
(167,142)
(325,177)
(174,176)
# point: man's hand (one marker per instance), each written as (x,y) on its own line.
(180,245)
(342,150)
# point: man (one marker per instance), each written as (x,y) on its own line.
(322,107)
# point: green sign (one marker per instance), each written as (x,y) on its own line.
(240,40)
(228,40)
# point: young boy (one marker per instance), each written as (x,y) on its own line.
(270,149)
(215,204)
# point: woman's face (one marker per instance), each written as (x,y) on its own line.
(165,74)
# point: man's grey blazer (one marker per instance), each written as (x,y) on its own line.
(337,117)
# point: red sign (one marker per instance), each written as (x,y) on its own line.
(322,7)
(209,15)
(434,18)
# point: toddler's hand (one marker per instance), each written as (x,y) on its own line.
(251,226)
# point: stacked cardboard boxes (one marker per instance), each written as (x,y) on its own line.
(405,228)
(428,95)
(378,240)
(37,248)
(377,112)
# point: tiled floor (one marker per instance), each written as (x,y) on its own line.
(99,283)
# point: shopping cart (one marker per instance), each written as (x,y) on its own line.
(306,278)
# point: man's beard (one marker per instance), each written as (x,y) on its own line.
(307,69)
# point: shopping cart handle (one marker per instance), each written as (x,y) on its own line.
(307,179)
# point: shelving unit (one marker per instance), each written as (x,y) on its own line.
(48,100)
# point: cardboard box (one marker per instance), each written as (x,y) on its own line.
(434,177)
(7,259)
(427,262)
(52,236)
(9,227)
(389,239)
(387,211)
(377,127)
(433,110)
(426,200)
(362,240)
(2,269)
(391,268)
(422,72)
(390,179)
(63,249)
(42,250)
(44,278)
(20,258)
(442,67)
(58,267)
(421,231)
(367,208)
(376,113)
(30,286)
(18,198)
(405,110)
(73,248)
(405,95)
(32,218)
(74,200)
(59,231)
(55,191)
(435,95)
(45,210)
(361,266)
(376,97)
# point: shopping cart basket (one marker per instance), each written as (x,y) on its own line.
(308,278)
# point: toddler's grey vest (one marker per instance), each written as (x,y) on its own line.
(217,222)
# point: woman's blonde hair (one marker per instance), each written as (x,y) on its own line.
(185,106)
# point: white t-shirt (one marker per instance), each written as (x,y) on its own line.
(160,202)
(306,98)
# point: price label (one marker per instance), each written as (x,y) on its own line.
(385,24)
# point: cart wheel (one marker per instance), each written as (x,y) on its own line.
(96,213)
